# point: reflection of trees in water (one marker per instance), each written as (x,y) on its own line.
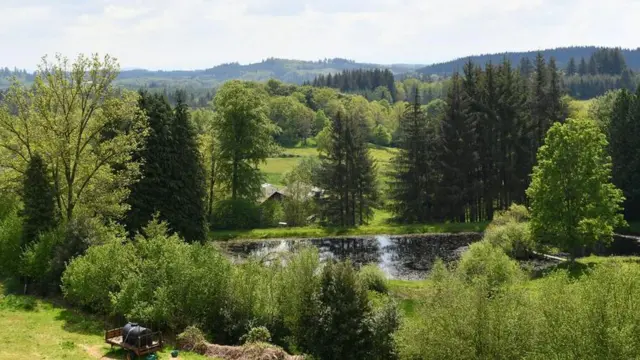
(406,257)
(359,250)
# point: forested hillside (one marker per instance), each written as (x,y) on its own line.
(562,56)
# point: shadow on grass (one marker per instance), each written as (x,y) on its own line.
(582,266)
(575,269)
(77,322)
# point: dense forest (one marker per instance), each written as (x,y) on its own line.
(562,55)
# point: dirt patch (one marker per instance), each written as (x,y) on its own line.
(97,352)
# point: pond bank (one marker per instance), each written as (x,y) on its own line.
(367,230)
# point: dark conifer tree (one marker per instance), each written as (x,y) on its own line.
(526,68)
(413,178)
(348,174)
(624,147)
(172,181)
(456,158)
(572,68)
(554,94)
(583,69)
(593,66)
(538,101)
(186,209)
(39,211)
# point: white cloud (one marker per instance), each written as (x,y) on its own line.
(202,33)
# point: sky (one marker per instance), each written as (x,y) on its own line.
(198,34)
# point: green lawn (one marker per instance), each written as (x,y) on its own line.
(37,329)
(373,229)
(275,168)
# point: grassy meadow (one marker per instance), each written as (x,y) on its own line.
(32,328)
(275,168)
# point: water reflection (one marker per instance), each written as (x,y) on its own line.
(399,257)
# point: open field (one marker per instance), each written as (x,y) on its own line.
(275,168)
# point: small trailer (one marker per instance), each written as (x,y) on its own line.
(145,344)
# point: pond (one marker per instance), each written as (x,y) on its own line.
(405,257)
(400,257)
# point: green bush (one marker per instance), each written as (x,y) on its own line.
(256,335)
(488,264)
(235,214)
(592,317)
(10,240)
(271,213)
(509,231)
(90,280)
(372,278)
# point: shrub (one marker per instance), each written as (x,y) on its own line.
(235,214)
(343,330)
(91,280)
(192,339)
(488,264)
(257,334)
(514,238)
(372,278)
(384,323)
(271,213)
(10,240)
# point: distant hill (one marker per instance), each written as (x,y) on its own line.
(562,56)
(293,71)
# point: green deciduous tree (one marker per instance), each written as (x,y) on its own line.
(245,138)
(85,129)
(573,202)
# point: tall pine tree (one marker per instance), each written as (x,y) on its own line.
(572,68)
(456,158)
(347,174)
(624,147)
(413,178)
(39,211)
(172,183)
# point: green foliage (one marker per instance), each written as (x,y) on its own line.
(509,231)
(174,284)
(372,278)
(10,242)
(342,331)
(412,176)
(90,144)
(271,213)
(298,204)
(245,138)
(235,214)
(38,198)
(381,136)
(172,181)
(591,317)
(45,260)
(92,280)
(294,119)
(348,174)
(624,133)
(258,334)
(487,264)
(573,203)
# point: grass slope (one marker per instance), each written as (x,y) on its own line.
(275,168)
(36,329)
